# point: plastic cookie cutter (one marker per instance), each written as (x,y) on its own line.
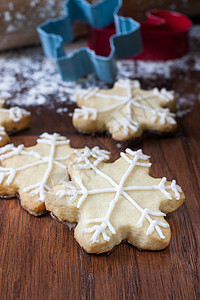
(164,36)
(56,32)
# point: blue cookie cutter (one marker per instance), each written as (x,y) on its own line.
(56,32)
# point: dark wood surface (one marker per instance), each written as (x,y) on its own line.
(40,258)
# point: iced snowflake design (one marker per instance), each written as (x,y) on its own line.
(126,115)
(54,164)
(102,227)
(9,119)
(4,138)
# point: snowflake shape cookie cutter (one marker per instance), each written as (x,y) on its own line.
(121,201)
(30,172)
(126,111)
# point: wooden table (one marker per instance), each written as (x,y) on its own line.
(40,258)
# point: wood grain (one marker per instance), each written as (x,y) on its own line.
(40,258)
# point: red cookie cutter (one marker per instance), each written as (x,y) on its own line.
(164,36)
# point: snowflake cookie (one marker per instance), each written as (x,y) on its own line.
(111,202)
(31,171)
(11,120)
(125,110)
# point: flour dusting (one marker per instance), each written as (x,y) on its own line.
(28,78)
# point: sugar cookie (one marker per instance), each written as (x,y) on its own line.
(125,110)
(31,171)
(12,120)
(111,202)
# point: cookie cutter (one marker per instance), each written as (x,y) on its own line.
(125,43)
(164,36)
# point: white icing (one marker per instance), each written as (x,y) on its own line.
(2,132)
(164,115)
(126,83)
(164,94)
(16,113)
(109,96)
(39,188)
(72,192)
(85,113)
(161,115)
(133,158)
(95,152)
(86,94)
(126,125)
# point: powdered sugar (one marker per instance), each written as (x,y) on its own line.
(61,110)
(7,16)
(28,78)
